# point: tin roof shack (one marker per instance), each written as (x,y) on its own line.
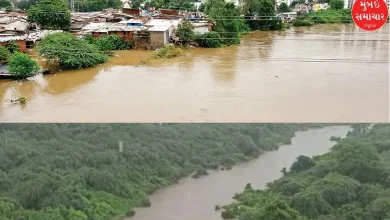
(38,35)
(159,36)
(14,29)
(202,27)
(141,40)
(122,30)
(289,16)
(159,23)
(19,40)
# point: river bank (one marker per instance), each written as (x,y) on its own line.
(194,199)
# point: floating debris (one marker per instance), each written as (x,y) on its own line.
(21,100)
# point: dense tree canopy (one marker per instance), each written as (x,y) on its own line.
(22,66)
(50,14)
(70,51)
(93,5)
(75,171)
(5,3)
(229,25)
(349,183)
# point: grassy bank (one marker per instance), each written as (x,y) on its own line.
(75,171)
(329,16)
(349,183)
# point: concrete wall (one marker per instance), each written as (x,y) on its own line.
(158,39)
(21,43)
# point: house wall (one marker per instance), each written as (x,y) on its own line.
(158,39)
(21,43)
(201,30)
(169,12)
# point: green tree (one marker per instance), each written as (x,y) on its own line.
(230,30)
(25,4)
(109,43)
(50,14)
(93,5)
(302,163)
(22,66)
(210,39)
(70,52)
(263,12)
(336,4)
(4,54)
(12,46)
(5,3)
(185,31)
(283,7)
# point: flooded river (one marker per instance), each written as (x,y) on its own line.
(195,199)
(325,73)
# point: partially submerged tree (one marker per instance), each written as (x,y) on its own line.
(22,66)
(70,51)
(185,31)
(4,54)
(109,43)
(231,29)
(260,15)
(50,14)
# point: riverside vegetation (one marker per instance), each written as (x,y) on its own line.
(352,182)
(76,172)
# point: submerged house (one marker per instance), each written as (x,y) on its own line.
(161,30)
(14,29)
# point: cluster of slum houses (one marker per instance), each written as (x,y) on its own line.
(15,27)
(145,29)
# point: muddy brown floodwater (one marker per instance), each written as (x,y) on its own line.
(325,73)
(195,199)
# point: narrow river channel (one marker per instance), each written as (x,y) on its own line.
(324,73)
(195,199)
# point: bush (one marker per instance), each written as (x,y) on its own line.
(89,38)
(111,42)
(12,46)
(22,66)
(4,54)
(330,16)
(210,39)
(167,52)
(303,22)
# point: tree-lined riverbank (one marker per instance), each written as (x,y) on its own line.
(350,182)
